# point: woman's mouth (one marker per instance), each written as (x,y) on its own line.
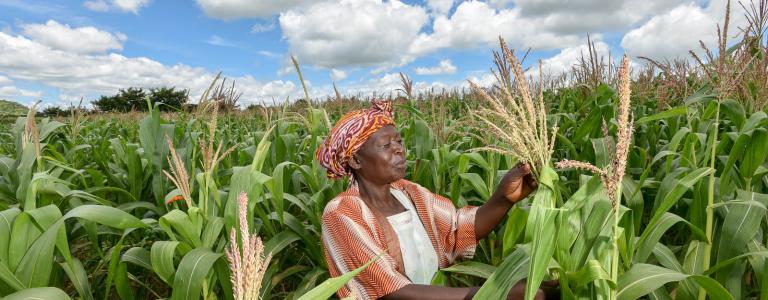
(400,164)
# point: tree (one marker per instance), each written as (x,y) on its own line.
(134,99)
(171,98)
(125,100)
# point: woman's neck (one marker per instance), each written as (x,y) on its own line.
(379,198)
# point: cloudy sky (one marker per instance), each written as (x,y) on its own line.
(59,51)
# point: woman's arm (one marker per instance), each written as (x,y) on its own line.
(490,214)
(428,292)
(515,186)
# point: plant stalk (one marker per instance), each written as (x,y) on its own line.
(615,252)
(710,201)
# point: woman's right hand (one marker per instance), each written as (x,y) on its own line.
(548,290)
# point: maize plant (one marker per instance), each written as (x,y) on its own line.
(653,184)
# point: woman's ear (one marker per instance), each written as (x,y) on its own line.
(354,162)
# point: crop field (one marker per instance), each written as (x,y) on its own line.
(656,187)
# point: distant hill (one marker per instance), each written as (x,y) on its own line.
(10,108)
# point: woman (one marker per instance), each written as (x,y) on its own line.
(415,231)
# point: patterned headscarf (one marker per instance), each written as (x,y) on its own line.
(349,133)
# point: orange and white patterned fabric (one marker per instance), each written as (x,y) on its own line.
(349,133)
(352,237)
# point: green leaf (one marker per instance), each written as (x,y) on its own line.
(276,186)
(672,112)
(741,224)
(79,278)
(105,215)
(592,271)
(651,235)
(509,272)
(278,242)
(6,275)
(542,248)
(180,222)
(47,293)
(735,112)
(193,269)
(7,218)
(161,257)
(137,256)
(643,279)
(515,225)
(471,268)
(330,286)
(679,189)
(755,153)
(477,183)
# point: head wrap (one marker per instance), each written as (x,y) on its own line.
(349,133)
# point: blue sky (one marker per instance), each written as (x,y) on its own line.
(59,51)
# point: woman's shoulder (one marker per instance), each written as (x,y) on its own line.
(344,203)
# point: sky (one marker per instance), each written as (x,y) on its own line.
(61,51)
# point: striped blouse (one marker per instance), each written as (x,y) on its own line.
(352,236)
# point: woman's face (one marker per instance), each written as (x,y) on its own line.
(381,159)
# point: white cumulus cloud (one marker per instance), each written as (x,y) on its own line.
(89,75)
(444,67)
(337,75)
(673,34)
(10,92)
(568,57)
(440,6)
(5,80)
(263,27)
(97,5)
(236,9)
(353,32)
(80,40)
(132,6)
(219,41)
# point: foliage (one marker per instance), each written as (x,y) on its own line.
(134,99)
(93,207)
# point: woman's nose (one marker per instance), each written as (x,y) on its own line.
(399,148)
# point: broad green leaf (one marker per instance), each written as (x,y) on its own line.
(542,248)
(672,112)
(666,258)
(278,242)
(105,215)
(592,271)
(212,231)
(193,269)
(509,272)
(477,183)
(330,286)
(735,112)
(6,275)
(755,153)
(7,218)
(179,222)
(516,220)
(643,279)
(138,256)
(652,235)
(161,257)
(669,199)
(276,186)
(79,277)
(740,226)
(471,268)
(47,293)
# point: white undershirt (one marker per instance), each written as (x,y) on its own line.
(419,256)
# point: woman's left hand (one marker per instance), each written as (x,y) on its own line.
(518,183)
